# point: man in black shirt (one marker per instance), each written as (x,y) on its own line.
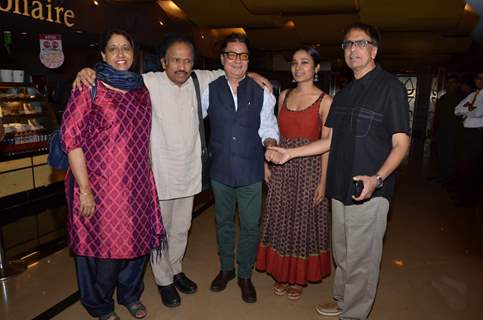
(445,128)
(369,121)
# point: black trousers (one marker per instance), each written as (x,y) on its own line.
(97,278)
(471,166)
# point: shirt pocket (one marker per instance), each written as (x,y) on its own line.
(361,121)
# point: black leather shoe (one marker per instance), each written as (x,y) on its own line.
(184,284)
(248,293)
(219,283)
(169,296)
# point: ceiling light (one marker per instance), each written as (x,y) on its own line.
(468,8)
(172,9)
(96,3)
(202,36)
(161,22)
(290,24)
(23,33)
(398,263)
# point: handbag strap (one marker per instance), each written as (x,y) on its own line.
(201,126)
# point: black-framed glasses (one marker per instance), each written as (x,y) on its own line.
(244,56)
(348,44)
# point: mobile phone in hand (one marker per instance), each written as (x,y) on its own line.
(358,186)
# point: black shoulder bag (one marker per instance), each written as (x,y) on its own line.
(205,176)
(57,158)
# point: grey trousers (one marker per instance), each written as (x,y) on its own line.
(357,235)
(176,215)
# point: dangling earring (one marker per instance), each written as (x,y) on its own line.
(293,80)
(316,77)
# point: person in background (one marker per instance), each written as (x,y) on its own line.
(445,126)
(242,122)
(294,232)
(2,130)
(471,110)
(467,84)
(114,217)
(175,153)
(369,137)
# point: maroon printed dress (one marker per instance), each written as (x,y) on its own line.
(294,234)
(113,132)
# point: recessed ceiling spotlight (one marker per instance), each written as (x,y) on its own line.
(290,24)
(96,3)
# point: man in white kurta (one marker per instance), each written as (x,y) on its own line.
(176,158)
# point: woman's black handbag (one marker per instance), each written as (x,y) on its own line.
(57,158)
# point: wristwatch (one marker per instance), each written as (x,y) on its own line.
(380,182)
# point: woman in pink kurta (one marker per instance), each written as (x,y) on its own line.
(114,217)
(113,132)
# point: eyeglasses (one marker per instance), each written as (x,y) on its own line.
(348,44)
(234,55)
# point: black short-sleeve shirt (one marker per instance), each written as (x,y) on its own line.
(363,117)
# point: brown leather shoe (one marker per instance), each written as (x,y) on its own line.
(223,277)
(248,293)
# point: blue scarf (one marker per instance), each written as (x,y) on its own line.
(123,80)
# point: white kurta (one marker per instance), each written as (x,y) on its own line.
(175,139)
(473,118)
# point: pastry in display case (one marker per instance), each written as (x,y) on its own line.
(27,119)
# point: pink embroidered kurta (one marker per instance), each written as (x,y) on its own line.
(113,133)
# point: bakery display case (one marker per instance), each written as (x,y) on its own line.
(27,118)
(31,192)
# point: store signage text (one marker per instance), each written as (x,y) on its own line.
(39,10)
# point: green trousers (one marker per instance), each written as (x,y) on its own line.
(249,199)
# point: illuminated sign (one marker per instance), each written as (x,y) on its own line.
(39,10)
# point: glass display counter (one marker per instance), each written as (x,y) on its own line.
(27,120)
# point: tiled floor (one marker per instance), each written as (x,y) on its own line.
(432,269)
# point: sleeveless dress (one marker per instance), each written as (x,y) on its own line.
(294,234)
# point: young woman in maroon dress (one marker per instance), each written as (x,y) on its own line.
(114,218)
(294,233)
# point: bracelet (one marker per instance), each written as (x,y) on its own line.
(84,193)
